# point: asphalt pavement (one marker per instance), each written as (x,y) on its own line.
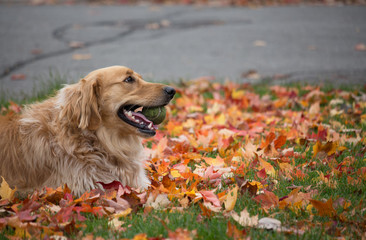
(169,43)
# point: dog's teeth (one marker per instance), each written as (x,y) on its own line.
(129,114)
(150,126)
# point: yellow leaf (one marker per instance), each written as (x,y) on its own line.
(175,173)
(237,94)
(5,191)
(22,233)
(309,208)
(221,119)
(231,199)
(258,184)
(122,213)
(316,148)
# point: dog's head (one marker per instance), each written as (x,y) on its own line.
(113,97)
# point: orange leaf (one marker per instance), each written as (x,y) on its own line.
(280,141)
(269,139)
(233,232)
(324,208)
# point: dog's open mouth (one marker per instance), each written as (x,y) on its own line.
(132,114)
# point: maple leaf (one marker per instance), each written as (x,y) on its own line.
(267,200)
(210,196)
(161,201)
(324,208)
(245,219)
(5,191)
(233,232)
(329,148)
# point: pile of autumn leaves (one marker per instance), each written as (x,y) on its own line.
(218,135)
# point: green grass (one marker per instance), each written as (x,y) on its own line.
(43,89)
(158,223)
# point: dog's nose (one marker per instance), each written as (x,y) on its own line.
(169,91)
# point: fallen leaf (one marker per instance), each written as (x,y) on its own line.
(76,44)
(231,198)
(360,47)
(36,51)
(260,43)
(210,196)
(245,219)
(18,76)
(267,200)
(324,208)
(79,56)
(5,191)
(233,232)
(159,202)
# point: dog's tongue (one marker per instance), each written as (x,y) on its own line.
(141,117)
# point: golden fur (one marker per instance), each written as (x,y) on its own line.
(76,137)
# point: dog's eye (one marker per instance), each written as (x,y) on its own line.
(129,80)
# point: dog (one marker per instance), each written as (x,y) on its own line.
(83,135)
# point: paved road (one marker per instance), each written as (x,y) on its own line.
(167,43)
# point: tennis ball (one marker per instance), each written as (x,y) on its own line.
(154,114)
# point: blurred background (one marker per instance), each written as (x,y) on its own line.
(43,42)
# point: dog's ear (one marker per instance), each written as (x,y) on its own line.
(79,103)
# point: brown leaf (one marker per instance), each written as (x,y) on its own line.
(233,232)
(324,208)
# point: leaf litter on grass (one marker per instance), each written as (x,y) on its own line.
(298,154)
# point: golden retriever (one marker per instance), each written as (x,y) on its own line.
(88,132)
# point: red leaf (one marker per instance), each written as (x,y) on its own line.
(209,196)
(267,199)
(18,76)
(262,173)
(112,185)
(26,215)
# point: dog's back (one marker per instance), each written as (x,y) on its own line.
(10,143)
(18,153)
